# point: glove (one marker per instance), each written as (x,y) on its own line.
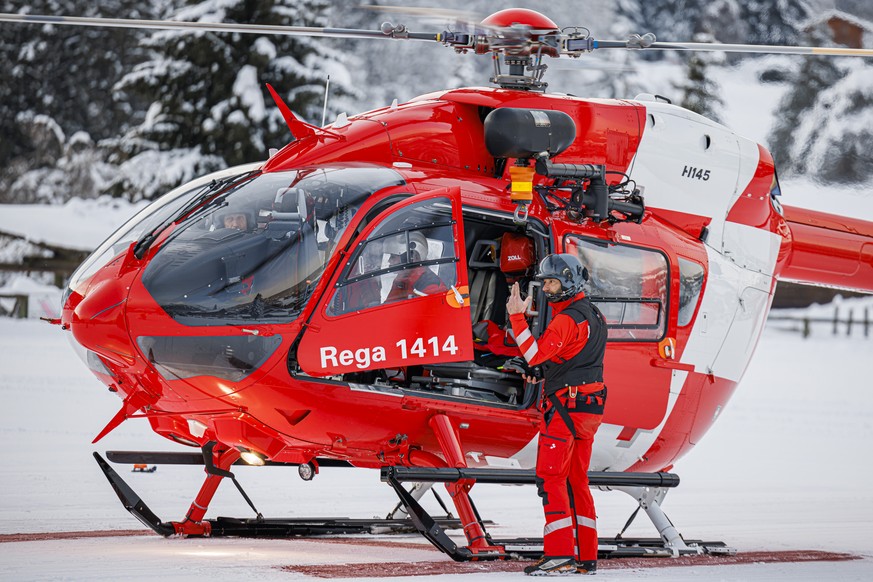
(519,365)
(516,365)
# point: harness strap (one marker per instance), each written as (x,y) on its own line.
(562,411)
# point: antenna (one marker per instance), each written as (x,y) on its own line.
(324,110)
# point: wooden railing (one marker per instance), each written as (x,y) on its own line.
(845,323)
(19,308)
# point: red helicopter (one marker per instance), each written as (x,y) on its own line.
(343,303)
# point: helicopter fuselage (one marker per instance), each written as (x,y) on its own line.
(192,335)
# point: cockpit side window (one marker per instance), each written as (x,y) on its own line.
(628,285)
(409,255)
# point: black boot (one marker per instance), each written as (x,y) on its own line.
(586,567)
(552,566)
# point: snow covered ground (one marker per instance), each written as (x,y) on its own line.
(77,224)
(787,467)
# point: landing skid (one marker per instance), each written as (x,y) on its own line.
(671,541)
(648,488)
(131,501)
(262,527)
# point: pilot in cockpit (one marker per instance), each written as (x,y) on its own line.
(235,220)
(410,248)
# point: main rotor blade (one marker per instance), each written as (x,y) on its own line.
(736,48)
(219,27)
(446,13)
(471,20)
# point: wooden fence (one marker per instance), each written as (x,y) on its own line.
(19,308)
(838,323)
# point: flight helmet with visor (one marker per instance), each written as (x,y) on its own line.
(568,270)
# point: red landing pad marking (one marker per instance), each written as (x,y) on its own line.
(427,547)
(71,535)
(390,569)
(115,533)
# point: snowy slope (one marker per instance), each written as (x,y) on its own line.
(78,224)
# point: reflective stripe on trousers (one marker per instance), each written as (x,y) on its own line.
(562,480)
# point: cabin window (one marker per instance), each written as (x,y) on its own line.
(690,284)
(411,254)
(629,286)
(775,193)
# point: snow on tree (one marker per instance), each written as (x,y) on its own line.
(674,20)
(812,77)
(699,91)
(56,84)
(833,138)
(774,21)
(71,166)
(208,104)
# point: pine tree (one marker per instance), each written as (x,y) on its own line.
(699,91)
(56,84)
(208,104)
(774,22)
(824,127)
(832,141)
(813,76)
(678,20)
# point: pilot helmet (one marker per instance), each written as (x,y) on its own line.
(237,218)
(568,270)
(412,243)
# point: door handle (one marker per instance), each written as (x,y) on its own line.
(671,365)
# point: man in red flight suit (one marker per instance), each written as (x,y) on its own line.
(570,352)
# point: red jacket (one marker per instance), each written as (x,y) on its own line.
(563,338)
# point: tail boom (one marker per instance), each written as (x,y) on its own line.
(829,250)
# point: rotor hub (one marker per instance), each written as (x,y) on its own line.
(523,37)
(523,17)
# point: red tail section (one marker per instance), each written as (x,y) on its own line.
(829,250)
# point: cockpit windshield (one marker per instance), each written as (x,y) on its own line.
(254,253)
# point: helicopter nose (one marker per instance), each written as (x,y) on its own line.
(98,322)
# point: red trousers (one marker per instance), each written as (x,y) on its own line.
(562,482)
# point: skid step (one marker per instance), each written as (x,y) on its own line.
(612,548)
(315,526)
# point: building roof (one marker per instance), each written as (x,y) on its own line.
(827,15)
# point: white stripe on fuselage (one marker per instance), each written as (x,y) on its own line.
(740,257)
